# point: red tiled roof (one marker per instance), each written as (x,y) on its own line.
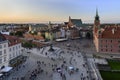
(13,40)
(36,37)
(28,36)
(111,32)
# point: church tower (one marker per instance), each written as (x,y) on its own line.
(97,21)
(96,31)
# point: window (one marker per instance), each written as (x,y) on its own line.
(106,40)
(111,50)
(111,46)
(16,54)
(106,50)
(10,56)
(119,41)
(101,49)
(4,45)
(19,46)
(0,52)
(4,59)
(16,47)
(4,51)
(106,46)
(13,54)
(111,41)
(0,46)
(10,49)
(0,61)
(13,48)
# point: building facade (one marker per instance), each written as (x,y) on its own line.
(14,46)
(107,38)
(4,54)
(10,48)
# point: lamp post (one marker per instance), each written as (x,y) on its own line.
(50,32)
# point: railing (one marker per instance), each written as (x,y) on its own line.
(96,72)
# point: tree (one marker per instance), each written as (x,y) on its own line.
(28,45)
(43,35)
(11,33)
(19,33)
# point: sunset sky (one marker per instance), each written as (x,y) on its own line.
(58,10)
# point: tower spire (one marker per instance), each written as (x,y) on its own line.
(69,18)
(96,12)
(97,21)
(97,16)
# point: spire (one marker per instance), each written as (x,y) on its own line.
(69,18)
(97,16)
(96,12)
(50,26)
(97,20)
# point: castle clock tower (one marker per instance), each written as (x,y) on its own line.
(97,21)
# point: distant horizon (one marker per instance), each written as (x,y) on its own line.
(54,22)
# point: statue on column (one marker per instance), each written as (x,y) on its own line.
(51,48)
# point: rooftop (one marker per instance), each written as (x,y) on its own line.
(2,38)
(13,40)
(111,32)
(77,22)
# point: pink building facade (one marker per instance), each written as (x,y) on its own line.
(106,39)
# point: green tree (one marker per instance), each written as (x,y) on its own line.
(43,35)
(28,45)
(19,33)
(11,33)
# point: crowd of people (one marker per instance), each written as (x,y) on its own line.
(46,65)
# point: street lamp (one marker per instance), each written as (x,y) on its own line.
(51,43)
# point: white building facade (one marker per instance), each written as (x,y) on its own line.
(4,54)
(14,51)
(10,48)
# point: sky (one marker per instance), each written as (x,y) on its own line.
(36,11)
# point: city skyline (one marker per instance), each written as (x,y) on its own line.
(21,11)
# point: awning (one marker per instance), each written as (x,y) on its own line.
(6,69)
